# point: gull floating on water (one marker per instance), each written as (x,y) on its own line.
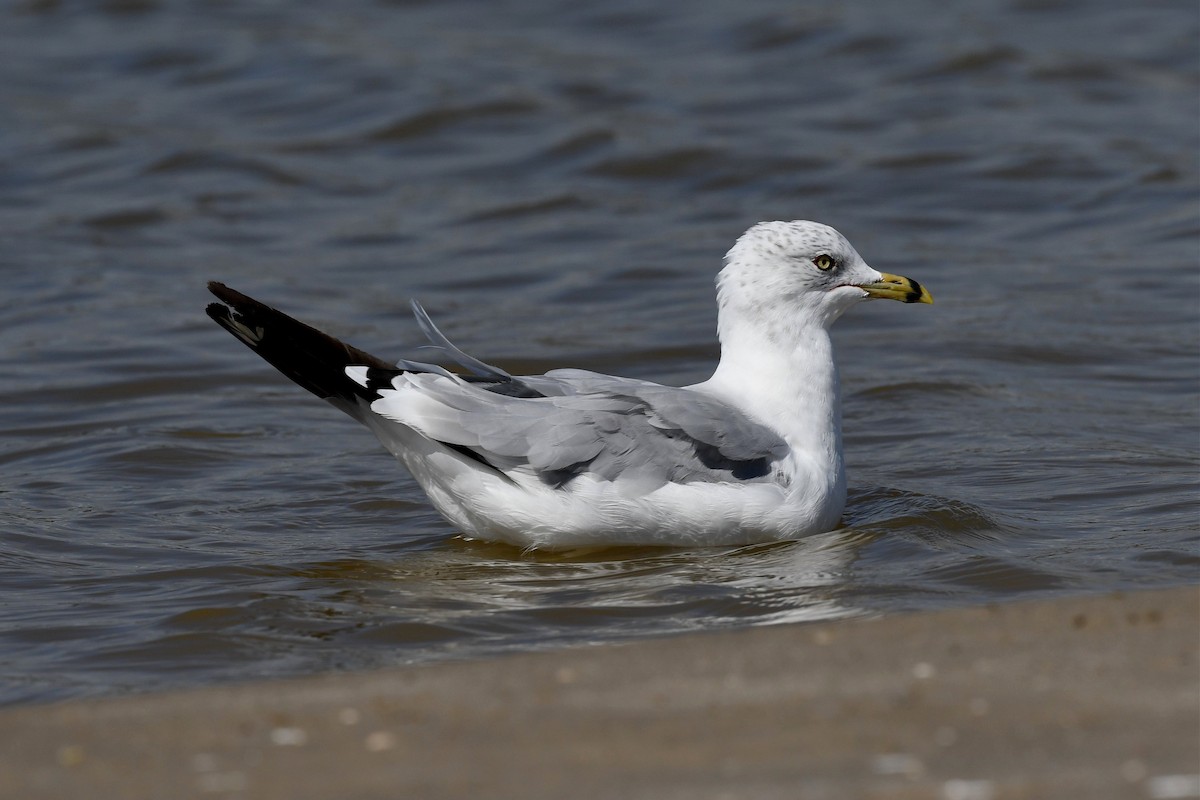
(575,458)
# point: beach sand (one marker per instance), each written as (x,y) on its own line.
(1092,697)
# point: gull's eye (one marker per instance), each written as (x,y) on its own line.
(824,262)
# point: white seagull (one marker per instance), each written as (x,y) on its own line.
(574,458)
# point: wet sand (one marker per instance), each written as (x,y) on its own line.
(1087,697)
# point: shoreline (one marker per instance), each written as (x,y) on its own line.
(1079,697)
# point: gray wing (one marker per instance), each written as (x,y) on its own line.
(615,429)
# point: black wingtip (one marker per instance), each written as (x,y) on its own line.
(218,313)
(313,359)
(230,296)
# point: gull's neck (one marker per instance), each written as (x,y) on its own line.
(782,373)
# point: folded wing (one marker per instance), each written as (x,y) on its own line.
(639,434)
(558,426)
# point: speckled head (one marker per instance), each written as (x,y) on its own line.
(804,272)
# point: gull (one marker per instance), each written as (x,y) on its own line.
(574,458)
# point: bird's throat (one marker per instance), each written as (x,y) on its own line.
(789,385)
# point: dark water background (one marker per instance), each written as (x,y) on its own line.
(557,182)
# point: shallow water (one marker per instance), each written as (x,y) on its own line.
(557,181)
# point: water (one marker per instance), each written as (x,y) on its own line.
(557,181)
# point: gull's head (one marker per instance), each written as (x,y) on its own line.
(802,272)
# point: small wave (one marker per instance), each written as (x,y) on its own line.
(438,120)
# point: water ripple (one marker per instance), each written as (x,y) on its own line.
(558,181)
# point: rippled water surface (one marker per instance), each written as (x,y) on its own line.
(557,182)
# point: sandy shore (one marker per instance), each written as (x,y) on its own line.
(1080,698)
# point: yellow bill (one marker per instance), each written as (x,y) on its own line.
(897,287)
